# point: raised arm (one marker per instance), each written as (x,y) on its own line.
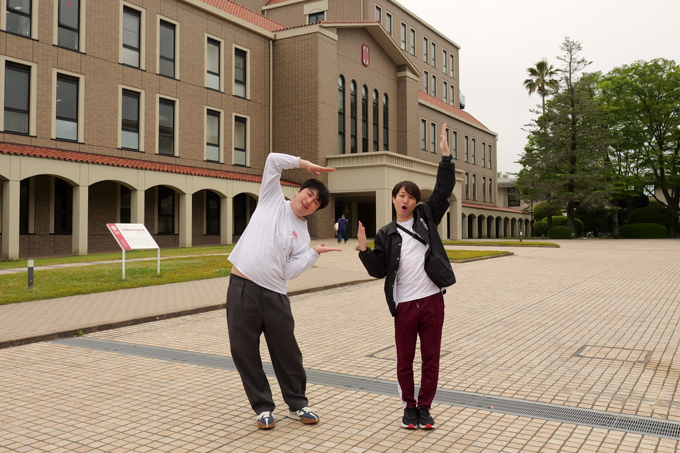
(438,202)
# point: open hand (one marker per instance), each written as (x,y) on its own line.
(314,168)
(361,235)
(323,249)
(443,142)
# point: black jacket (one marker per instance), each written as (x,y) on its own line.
(384,260)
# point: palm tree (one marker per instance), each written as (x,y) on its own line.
(541,80)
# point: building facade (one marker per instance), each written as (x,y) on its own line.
(163,113)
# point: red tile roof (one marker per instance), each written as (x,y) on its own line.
(244,13)
(99,159)
(443,105)
(491,208)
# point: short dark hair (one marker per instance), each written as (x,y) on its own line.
(322,193)
(410,187)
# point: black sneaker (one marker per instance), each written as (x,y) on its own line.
(425,420)
(410,420)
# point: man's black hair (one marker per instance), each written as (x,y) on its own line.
(322,193)
(410,187)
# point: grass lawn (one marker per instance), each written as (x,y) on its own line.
(190,251)
(460,255)
(51,283)
(504,243)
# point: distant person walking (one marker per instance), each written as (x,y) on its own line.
(410,255)
(342,228)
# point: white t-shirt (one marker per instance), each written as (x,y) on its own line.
(274,247)
(412,281)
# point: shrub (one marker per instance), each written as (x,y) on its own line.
(542,226)
(651,214)
(560,232)
(643,231)
(541,211)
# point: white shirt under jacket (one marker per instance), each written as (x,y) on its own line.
(274,247)
(412,280)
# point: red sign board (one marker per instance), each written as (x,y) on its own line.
(132,236)
(365,55)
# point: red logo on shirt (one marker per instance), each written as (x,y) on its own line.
(294,234)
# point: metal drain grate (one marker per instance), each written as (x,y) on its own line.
(533,409)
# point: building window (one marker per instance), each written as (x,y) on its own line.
(483,188)
(446,92)
(474,151)
(452,95)
(353,116)
(467,149)
(425,50)
(17,98)
(317,17)
(434,55)
(426,81)
(67,108)
(451,71)
(423,134)
(403,36)
(240,60)
(467,186)
(474,187)
(386,122)
(213,65)
(444,59)
(63,207)
(513,197)
(378,13)
(166,127)
(455,145)
(388,23)
(240,141)
(364,119)
(433,136)
(434,85)
(19,17)
(448,137)
(375,120)
(212,136)
(490,156)
(130,120)
(24,208)
(68,34)
(132,20)
(166,210)
(125,215)
(413,42)
(483,154)
(212,213)
(341,115)
(166,53)
(490,190)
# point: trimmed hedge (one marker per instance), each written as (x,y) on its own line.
(542,226)
(560,232)
(651,214)
(643,231)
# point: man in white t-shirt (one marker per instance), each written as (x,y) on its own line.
(274,248)
(410,255)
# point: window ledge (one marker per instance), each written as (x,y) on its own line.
(133,67)
(130,149)
(18,133)
(240,97)
(213,89)
(21,36)
(68,48)
(67,141)
(167,77)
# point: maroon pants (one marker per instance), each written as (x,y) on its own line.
(424,317)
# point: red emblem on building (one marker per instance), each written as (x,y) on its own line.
(365,55)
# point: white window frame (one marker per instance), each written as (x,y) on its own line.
(423,134)
(233,77)
(490,167)
(142,33)
(81,26)
(205,132)
(454,146)
(445,57)
(483,154)
(142,115)
(404,37)
(426,77)
(160,18)
(413,41)
(452,95)
(176,125)
(35,16)
(391,22)
(316,8)
(233,136)
(378,8)
(434,85)
(452,66)
(484,188)
(205,61)
(33,113)
(433,49)
(433,138)
(81,104)
(446,92)
(426,50)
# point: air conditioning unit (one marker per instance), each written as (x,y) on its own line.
(461,98)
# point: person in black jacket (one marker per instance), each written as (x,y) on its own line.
(410,255)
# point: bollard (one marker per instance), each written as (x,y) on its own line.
(520,236)
(30,274)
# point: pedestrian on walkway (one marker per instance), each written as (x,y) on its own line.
(274,248)
(342,228)
(410,255)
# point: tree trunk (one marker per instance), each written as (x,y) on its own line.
(615,223)
(570,216)
(550,221)
(673,230)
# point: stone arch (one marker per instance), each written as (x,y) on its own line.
(513,227)
(244,204)
(506,227)
(490,222)
(481,227)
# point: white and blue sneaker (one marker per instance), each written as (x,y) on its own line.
(266,420)
(305,415)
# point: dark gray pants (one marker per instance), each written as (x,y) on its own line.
(252,310)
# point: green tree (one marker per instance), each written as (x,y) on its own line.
(642,105)
(542,80)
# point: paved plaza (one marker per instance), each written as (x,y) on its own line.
(590,326)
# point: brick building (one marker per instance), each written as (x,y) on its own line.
(162,112)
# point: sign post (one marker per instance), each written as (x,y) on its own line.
(134,236)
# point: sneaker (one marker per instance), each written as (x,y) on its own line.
(425,420)
(305,415)
(266,420)
(410,419)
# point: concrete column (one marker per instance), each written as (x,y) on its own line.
(456,226)
(464,222)
(137,206)
(185,213)
(10,220)
(226,220)
(492,229)
(383,207)
(80,214)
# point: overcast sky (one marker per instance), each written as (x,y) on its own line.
(500,39)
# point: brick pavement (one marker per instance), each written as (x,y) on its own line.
(512,329)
